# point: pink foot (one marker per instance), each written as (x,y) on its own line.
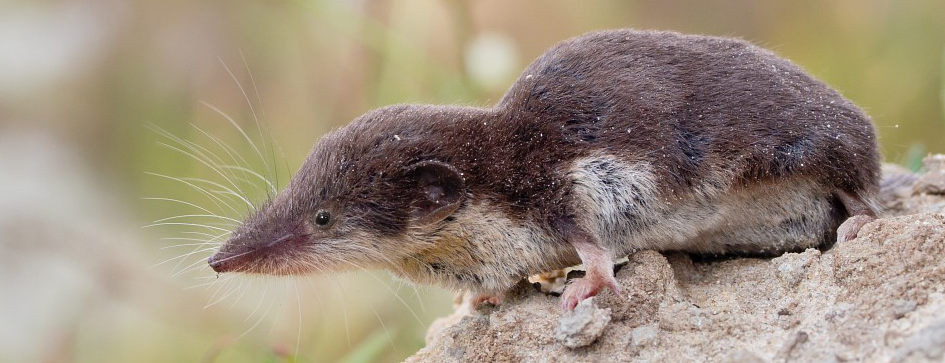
(849,228)
(588,286)
(486,298)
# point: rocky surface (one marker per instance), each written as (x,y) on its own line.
(877,298)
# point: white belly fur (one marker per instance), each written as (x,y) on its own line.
(620,202)
(483,251)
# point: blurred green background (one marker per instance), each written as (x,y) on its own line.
(94,93)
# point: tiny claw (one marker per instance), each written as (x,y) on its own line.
(588,286)
(615,287)
(568,303)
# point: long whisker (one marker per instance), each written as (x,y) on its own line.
(262,110)
(386,260)
(198,263)
(242,132)
(213,198)
(185,224)
(252,80)
(218,169)
(202,245)
(205,284)
(236,256)
(198,216)
(198,153)
(225,190)
(208,235)
(249,103)
(261,316)
(298,300)
(236,157)
(184,257)
(256,118)
(389,337)
(417,317)
(223,297)
(202,209)
(255,309)
(229,150)
(191,267)
(200,242)
(344,311)
(269,184)
(240,296)
(205,245)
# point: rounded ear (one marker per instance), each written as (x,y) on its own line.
(439,191)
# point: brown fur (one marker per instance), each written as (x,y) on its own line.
(706,116)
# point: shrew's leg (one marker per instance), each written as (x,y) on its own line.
(598,263)
(860,214)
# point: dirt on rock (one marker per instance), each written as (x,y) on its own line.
(877,298)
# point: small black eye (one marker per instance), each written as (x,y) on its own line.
(322,218)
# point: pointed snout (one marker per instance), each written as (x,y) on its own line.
(220,263)
(238,255)
(265,245)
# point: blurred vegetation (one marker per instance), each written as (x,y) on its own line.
(99,76)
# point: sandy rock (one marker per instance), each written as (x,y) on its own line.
(792,267)
(933,181)
(742,356)
(877,298)
(583,325)
(927,345)
(643,335)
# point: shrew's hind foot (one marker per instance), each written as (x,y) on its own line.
(860,214)
(588,286)
(598,264)
(849,228)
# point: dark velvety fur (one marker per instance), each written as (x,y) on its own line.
(699,109)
